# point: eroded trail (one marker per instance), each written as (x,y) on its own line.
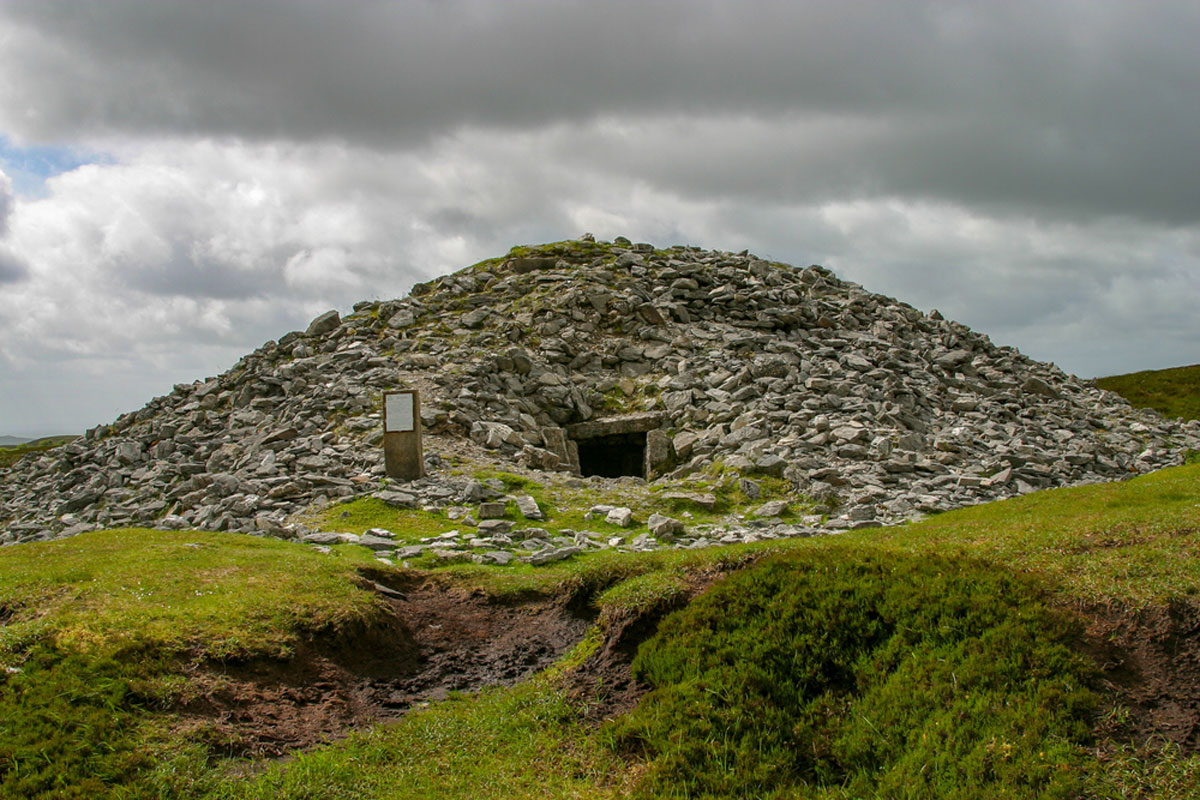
(1150,662)
(436,640)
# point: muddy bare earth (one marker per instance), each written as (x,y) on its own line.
(437,640)
(1149,661)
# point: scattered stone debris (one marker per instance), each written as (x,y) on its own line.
(589,358)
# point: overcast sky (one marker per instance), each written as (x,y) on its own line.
(183,181)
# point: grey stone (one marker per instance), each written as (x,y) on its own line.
(1000,478)
(323,324)
(322,537)
(952,359)
(495,526)
(539,458)
(664,527)
(529,533)
(659,455)
(528,507)
(621,517)
(397,499)
(476,318)
(770,464)
(683,443)
(449,556)
(551,555)
(795,374)
(705,501)
(376,542)
(771,508)
(401,319)
(477,491)
(492,510)
(1038,386)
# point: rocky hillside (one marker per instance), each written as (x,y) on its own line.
(547,357)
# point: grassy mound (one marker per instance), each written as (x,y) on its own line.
(1171,392)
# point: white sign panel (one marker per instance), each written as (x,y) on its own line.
(398,413)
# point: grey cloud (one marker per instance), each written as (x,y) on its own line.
(13,268)
(184,276)
(7,202)
(1069,108)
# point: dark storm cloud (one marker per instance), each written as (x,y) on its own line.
(1073,108)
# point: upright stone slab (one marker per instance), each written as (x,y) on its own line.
(402,452)
(659,454)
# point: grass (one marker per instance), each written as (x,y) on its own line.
(570,248)
(914,661)
(207,594)
(565,507)
(1135,542)
(100,630)
(362,514)
(1171,392)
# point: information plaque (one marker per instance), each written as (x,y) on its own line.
(398,414)
(403,458)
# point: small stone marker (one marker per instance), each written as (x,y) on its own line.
(402,453)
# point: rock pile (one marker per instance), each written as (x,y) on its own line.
(875,409)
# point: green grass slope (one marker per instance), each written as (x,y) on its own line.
(1171,392)
(940,659)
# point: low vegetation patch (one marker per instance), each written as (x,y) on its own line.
(835,673)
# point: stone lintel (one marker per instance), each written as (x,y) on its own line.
(632,423)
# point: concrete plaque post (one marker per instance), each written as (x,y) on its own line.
(402,455)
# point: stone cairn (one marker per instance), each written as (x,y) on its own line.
(882,411)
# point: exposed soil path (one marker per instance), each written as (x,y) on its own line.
(438,639)
(1150,662)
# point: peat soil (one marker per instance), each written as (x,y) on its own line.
(437,639)
(1149,661)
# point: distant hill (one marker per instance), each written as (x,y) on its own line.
(13,448)
(1171,392)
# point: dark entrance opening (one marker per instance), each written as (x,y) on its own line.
(613,455)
